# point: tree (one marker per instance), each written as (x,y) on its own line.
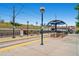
(16,24)
(77,8)
(1,21)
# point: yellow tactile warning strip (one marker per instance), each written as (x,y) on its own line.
(18,45)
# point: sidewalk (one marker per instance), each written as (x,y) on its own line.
(51,47)
(18,40)
(15,42)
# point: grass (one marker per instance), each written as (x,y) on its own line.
(5,25)
(9,25)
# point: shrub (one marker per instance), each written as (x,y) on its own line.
(77,24)
(77,32)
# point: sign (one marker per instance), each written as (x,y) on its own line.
(21,32)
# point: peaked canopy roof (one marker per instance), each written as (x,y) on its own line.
(56,22)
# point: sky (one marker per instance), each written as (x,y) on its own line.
(31,12)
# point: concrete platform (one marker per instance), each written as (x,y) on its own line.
(67,46)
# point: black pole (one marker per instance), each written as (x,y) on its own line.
(55,27)
(27,27)
(41,28)
(13,22)
(55,30)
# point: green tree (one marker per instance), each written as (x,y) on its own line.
(16,24)
(77,8)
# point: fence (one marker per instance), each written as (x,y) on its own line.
(8,32)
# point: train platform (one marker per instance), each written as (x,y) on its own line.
(67,46)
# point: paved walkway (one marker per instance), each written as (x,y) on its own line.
(20,41)
(11,43)
(67,46)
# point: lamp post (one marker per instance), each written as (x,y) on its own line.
(27,27)
(42,9)
(13,22)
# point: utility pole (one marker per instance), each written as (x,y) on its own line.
(27,28)
(13,21)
